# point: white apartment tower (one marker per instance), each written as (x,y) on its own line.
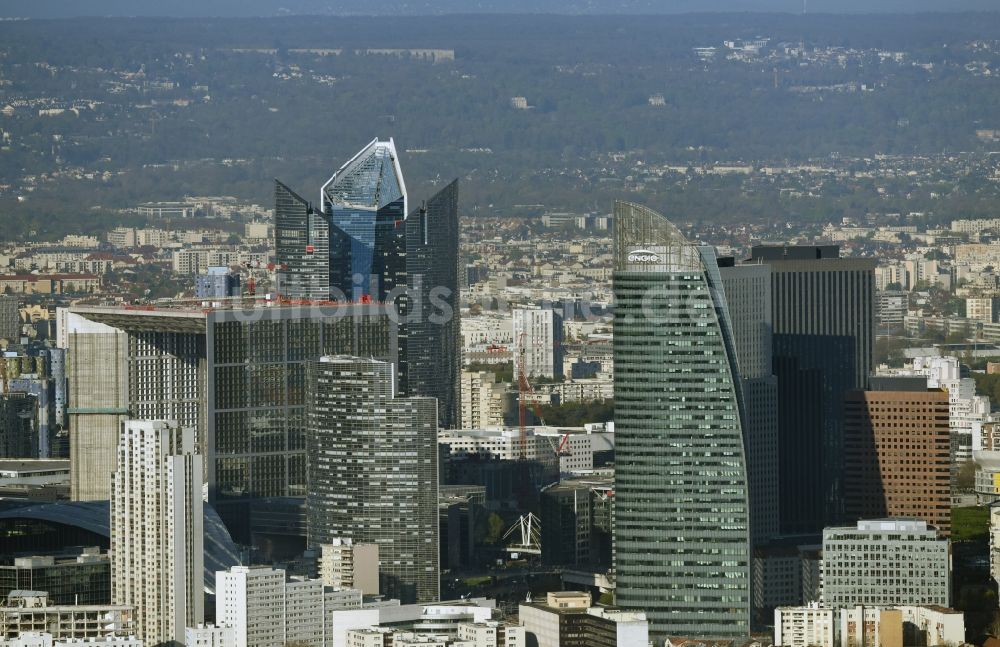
(346,565)
(808,626)
(157,530)
(252,601)
(266,609)
(538,340)
(209,636)
(483,400)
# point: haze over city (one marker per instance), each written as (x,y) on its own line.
(568,323)
(246,8)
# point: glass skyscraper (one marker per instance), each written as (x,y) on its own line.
(823,310)
(432,334)
(374,250)
(365,206)
(302,246)
(682,538)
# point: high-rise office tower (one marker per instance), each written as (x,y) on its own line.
(538,343)
(235,375)
(373,474)
(19,425)
(748,293)
(578,519)
(897,452)
(681,512)
(302,247)
(157,533)
(433,333)
(375,251)
(824,333)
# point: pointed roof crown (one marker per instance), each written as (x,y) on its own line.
(369,180)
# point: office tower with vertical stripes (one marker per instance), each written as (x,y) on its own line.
(682,538)
(823,311)
(748,294)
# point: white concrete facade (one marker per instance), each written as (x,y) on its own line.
(537,338)
(157,529)
(209,636)
(808,626)
(265,608)
(346,565)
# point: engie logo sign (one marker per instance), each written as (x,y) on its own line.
(643,256)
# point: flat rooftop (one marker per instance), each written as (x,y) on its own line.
(191,316)
(604,484)
(884,525)
(512,432)
(12,467)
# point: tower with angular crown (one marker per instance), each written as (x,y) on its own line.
(365,205)
(375,250)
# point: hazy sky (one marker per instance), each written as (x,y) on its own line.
(69,8)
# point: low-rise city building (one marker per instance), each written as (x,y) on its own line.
(30,611)
(46,639)
(884,563)
(570,618)
(860,626)
(209,636)
(265,607)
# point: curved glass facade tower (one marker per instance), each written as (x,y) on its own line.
(682,537)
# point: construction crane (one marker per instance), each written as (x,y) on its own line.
(251,280)
(603,493)
(524,389)
(562,449)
